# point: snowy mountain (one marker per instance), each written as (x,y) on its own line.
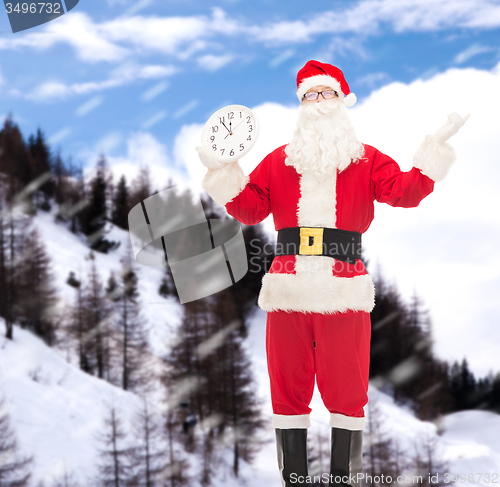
(57,410)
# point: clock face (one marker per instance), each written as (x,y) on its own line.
(231,132)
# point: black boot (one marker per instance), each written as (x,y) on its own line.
(292,456)
(347,457)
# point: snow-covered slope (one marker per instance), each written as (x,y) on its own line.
(57,410)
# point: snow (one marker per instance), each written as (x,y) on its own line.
(57,410)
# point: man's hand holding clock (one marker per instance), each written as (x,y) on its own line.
(220,144)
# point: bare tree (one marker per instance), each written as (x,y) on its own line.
(379,459)
(115,467)
(427,460)
(35,291)
(67,479)
(131,337)
(14,468)
(149,454)
(97,330)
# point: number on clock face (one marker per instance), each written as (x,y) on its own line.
(231,132)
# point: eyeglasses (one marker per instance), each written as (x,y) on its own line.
(327,95)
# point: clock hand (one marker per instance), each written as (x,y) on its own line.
(225,127)
(235,127)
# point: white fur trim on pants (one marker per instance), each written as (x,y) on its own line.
(346,422)
(434,159)
(286,422)
(316,293)
(225,183)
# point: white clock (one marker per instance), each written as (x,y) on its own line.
(231,132)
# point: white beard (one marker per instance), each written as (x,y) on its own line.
(324,139)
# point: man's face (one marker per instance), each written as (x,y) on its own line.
(319,89)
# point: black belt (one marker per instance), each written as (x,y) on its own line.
(332,242)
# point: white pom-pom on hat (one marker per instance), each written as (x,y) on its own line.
(350,100)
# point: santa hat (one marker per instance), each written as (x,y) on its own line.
(315,73)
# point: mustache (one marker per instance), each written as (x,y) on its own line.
(325,107)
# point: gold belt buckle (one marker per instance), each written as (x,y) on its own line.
(308,248)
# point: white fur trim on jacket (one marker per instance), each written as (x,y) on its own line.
(225,183)
(434,159)
(347,422)
(316,293)
(286,422)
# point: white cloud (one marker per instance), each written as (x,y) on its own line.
(125,74)
(142,150)
(186,108)
(181,37)
(446,249)
(210,62)
(373,80)
(78,30)
(89,105)
(154,91)
(109,142)
(281,58)
(368,16)
(153,120)
(470,52)
(59,135)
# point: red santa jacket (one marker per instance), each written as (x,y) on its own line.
(344,200)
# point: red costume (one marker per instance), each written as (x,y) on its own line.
(318,322)
(320,285)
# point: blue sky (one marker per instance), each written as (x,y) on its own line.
(112,67)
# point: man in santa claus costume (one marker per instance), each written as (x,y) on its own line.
(321,189)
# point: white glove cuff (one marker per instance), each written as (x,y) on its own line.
(434,158)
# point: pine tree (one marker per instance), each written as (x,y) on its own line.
(67,479)
(121,205)
(94,217)
(379,458)
(148,456)
(401,354)
(40,162)
(209,363)
(5,289)
(36,294)
(428,462)
(462,385)
(14,468)
(69,192)
(176,472)
(133,347)
(97,332)
(115,467)
(141,186)
(14,159)
(13,233)
(494,404)
(238,406)
(77,326)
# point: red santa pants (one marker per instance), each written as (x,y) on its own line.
(335,348)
